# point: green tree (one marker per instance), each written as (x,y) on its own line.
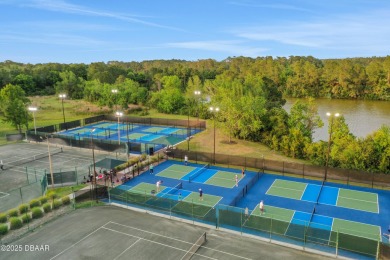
(71,85)
(13,104)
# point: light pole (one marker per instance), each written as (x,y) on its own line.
(94,182)
(332,116)
(214,110)
(50,163)
(62,97)
(119,115)
(197,94)
(188,127)
(33,110)
(115,92)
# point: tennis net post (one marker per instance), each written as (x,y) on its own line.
(201,241)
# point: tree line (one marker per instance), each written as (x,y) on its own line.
(249,93)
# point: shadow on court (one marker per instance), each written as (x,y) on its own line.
(109,232)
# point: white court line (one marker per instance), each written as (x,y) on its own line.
(179,240)
(127,249)
(5,194)
(270,186)
(148,240)
(303,192)
(60,253)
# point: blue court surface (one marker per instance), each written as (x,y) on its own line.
(320,214)
(155,136)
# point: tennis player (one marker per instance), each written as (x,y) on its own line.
(261,207)
(158,185)
(200,194)
(185,159)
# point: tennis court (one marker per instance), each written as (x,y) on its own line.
(340,197)
(297,209)
(115,233)
(159,136)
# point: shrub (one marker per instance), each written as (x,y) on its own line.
(26,218)
(36,212)
(51,194)
(13,213)
(34,203)
(23,208)
(46,207)
(3,217)
(65,200)
(43,199)
(15,222)
(57,204)
(3,229)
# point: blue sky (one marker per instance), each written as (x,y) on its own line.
(69,31)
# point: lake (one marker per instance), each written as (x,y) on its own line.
(362,116)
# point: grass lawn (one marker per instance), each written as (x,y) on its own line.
(62,191)
(50,112)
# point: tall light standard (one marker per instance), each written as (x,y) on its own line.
(33,110)
(214,110)
(94,182)
(50,162)
(115,92)
(119,115)
(62,97)
(332,116)
(197,94)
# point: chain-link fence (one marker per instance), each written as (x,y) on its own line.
(344,176)
(24,194)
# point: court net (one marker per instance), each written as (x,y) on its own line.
(201,241)
(31,159)
(173,190)
(319,194)
(197,173)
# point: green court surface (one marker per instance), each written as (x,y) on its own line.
(359,200)
(176,171)
(191,205)
(352,199)
(223,179)
(288,189)
(79,131)
(208,200)
(155,129)
(145,188)
(356,229)
(278,220)
(134,136)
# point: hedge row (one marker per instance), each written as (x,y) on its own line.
(17,217)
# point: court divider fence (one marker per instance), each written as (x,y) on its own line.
(36,186)
(344,176)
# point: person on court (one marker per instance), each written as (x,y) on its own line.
(243,172)
(185,159)
(261,207)
(200,194)
(158,183)
(151,168)
(236,178)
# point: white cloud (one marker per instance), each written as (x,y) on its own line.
(362,31)
(64,7)
(269,6)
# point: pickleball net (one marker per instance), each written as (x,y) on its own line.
(22,161)
(173,190)
(201,241)
(198,172)
(319,193)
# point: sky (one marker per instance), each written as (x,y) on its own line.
(70,31)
